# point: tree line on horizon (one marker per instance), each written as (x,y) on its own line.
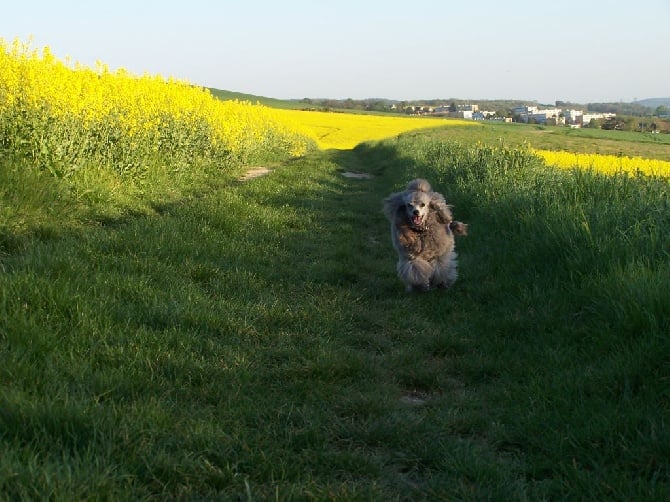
(500,107)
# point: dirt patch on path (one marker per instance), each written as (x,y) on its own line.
(254,173)
(357,176)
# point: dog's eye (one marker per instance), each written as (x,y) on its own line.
(422,205)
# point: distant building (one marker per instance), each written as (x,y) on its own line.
(524,110)
(528,114)
(532,114)
(588,117)
(573,117)
(467,108)
(418,109)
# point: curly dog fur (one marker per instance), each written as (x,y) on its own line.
(422,232)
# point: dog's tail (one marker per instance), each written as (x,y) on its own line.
(419,185)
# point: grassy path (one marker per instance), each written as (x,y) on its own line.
(248,341)
(255,343)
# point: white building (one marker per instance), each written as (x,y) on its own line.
(544,116)
(524,110)
(534,114)
(573,116)
(588,117)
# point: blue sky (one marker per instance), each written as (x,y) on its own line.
(582,51)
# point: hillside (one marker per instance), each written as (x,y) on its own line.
(240,96)
(654,102)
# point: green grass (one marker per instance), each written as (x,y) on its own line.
(217,339)
(632,144)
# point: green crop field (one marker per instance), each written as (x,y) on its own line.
(632,144)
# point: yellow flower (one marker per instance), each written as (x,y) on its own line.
(608,164)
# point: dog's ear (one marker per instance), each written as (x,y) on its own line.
(392,204)
(440,207)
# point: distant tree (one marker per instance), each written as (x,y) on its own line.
(620,108)
(377,106)
(661,110)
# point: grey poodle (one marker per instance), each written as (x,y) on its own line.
(422,231)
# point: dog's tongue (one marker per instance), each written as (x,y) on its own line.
(416,220)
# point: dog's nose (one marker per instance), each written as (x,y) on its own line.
(416,212)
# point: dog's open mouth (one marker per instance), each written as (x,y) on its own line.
(417,220)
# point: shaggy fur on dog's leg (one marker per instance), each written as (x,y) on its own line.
(415,273)
(446,271)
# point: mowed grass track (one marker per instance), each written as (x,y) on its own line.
(250,343)
(253,342)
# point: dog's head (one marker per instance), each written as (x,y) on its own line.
(414,206)
(417,206)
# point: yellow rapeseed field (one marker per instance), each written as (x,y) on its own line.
(61,115)
(346,130)
(608,164)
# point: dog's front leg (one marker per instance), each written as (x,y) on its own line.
(458,228)
(415,273)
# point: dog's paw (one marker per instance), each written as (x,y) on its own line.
(417,288)
(458,228)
